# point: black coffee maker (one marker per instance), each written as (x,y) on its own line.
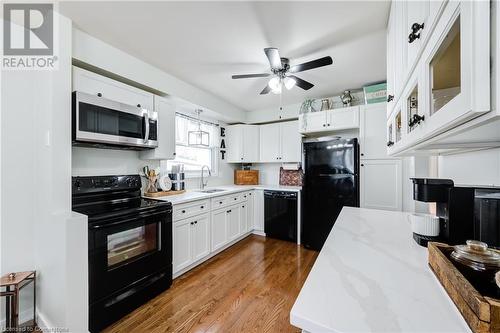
(464,212)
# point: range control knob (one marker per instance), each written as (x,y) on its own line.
(77,183)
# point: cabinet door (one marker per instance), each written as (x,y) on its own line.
(381,184)
(243,218)
(233,222)
(166,131)
(182,247)
(315,122)
(234,143)
(94,84)
(219,229)
(416,13)
(270,143)
(372,133)
(345,118)
(258,209)
(251,143)
(201,237)
(291,142)
(250,211)
(391,43)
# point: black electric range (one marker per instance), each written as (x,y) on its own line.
(130,245)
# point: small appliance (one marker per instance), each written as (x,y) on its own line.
(104,123)
(465,213)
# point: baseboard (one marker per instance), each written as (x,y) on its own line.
(259,232)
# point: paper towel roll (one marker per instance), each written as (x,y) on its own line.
(291,166)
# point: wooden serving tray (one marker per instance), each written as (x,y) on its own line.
(162,193)
(481,313)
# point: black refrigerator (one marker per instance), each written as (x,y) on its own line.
(331,181)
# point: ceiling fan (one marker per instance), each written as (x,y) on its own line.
(281,70)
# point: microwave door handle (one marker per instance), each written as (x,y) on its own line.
(146,135)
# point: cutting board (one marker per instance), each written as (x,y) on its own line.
(163,193)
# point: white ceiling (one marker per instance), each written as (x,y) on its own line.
(204,43)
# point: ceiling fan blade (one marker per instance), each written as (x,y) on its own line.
(266,90)
(301,83)
(325,61)
(247,76)
(274,57)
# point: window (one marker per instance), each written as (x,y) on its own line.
(194,158)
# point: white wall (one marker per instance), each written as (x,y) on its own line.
(473,168)
(36,188)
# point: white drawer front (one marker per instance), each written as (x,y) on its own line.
(226,200)
(189,209)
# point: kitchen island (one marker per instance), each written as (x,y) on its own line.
(371,276)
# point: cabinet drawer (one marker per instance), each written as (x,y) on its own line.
(226,200)
(95,84)
(189,209)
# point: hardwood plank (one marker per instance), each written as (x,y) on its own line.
(249,287)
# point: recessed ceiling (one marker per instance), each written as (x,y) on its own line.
(204,43)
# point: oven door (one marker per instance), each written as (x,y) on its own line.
(125,251)
(102,121)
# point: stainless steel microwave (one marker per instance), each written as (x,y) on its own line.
(102,122)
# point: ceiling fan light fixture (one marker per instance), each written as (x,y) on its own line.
(289,83)
(274,83)
(277,91)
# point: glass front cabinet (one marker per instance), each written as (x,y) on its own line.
(450,83)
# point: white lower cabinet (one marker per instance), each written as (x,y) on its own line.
(381,184)
(219,229)
(233,222)
(191,240)
(202,228)
(258,211)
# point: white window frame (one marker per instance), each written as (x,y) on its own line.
(214,152)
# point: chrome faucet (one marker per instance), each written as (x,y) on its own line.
(203,182)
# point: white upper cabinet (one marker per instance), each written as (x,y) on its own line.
(166,131)
(291,142)
(448,62)
(270,143)
(329,120)
(280,142)
(98,85)
(372,138)
(242,142)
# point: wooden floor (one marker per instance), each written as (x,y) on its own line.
(249,287)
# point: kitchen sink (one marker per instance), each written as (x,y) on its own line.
(212,190)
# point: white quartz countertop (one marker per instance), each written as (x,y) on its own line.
(371,276)
(193,195)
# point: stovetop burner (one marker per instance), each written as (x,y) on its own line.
(104,197)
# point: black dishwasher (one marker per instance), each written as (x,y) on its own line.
(280,215)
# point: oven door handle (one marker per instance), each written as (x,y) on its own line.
(114,224)
(146,119)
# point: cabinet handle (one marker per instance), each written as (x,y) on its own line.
(328,125)
(362,154)
(220,202)
(415,34)
(362,165)
(183,211)
(235,198)
(192,223)
(416,120)
(242,206)
(229,211)
(138,105)
(195,222)
(390,143)
(202,207)
(174,154)
(324,125)
(390,98)
(99,95)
